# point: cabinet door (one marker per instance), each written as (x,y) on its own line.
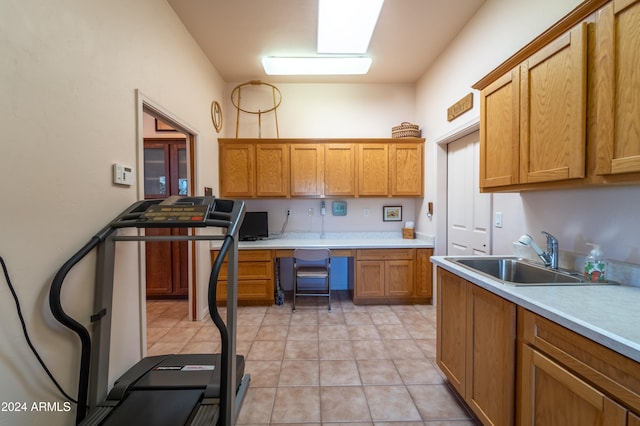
(618,88)
(370,278)
(373,170)
(424,273)
(307,170)
(399,278)
(237,170)
(406,169)
(451,328)
(500,131)
(340,170)
(272,170)
(551,395)
(491,356)
(553,110)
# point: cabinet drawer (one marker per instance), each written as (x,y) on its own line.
(248,290)
(610,371)
(249,270)
(386,254)
(248,255)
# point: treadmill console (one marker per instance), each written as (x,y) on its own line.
(176,214)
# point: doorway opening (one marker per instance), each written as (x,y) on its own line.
(166,161)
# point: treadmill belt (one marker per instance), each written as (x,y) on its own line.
(155,408)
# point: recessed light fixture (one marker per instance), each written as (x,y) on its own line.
(316,65)
(346,26)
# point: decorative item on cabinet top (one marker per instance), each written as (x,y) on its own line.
(405,130)
(276,98)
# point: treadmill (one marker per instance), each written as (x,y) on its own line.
(182,389)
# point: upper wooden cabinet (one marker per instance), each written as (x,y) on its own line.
(562,112)
(553,109)
(617,88)
(340,169)
(237,179)
(406,169)
(533,118)
(272,170)
(500,141)
(307,170)
(373,169)
(251,168)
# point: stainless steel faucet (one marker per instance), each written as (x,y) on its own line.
(552,249)
(550,257)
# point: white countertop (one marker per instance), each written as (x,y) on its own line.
(606,314)
(344,240)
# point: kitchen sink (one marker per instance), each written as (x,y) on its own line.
(519,272)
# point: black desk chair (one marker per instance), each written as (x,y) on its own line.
(311,265)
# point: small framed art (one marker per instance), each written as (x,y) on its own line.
(392,213)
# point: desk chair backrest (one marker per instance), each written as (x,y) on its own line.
(312,254)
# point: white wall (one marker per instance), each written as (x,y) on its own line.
(69,71)
(497,31)
(325,111)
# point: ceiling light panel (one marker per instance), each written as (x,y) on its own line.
(346,26)
(316,65)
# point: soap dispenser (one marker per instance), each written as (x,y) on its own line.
(595,266)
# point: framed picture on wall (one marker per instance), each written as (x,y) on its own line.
(392,213)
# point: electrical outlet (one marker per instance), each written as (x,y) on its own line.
(498,220)
(310,212)
(365,212)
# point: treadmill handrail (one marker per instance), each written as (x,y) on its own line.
(230,219)
(58,312)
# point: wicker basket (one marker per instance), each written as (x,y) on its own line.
(406,130)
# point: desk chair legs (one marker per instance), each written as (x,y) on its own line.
(312,264)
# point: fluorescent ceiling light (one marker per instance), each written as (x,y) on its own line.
(316,65)
(346,26)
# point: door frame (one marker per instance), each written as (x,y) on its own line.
(144,104)
(441,143)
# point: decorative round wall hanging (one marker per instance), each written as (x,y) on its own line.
(216,115)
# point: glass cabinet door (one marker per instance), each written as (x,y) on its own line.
(156,171)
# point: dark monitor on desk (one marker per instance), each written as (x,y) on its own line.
(254,227)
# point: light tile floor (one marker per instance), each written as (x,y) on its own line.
(356,365)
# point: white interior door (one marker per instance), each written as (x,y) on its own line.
(468,211)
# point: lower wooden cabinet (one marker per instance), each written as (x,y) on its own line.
(255,277)
(512,366)
(392,276)
(476,347)
(552,395)
(567,379)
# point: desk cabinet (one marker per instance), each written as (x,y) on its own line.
(255,277)
(390,276)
